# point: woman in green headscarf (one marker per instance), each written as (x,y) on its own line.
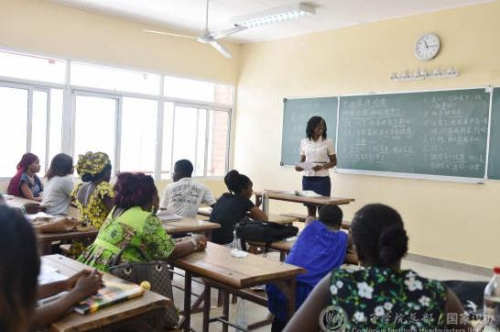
(94,197)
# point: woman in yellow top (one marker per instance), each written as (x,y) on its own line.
(93,197)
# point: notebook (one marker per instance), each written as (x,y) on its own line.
(115,291)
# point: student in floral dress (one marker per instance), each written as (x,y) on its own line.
(133,221)
(381,296)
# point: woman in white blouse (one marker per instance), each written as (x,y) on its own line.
(59,185)
(319,151)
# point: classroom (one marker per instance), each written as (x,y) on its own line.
(447,221)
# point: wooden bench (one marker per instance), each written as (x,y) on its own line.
(302,218)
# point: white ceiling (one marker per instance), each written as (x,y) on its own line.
(188,16)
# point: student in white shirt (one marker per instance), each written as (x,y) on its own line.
(185,195)
(59,185)
(319,151)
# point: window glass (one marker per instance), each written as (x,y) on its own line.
(138,135)
(168,136)
(185,130)
(39,128)
(31,67)
(13,124)
(115,79)
(55,129)
(95,123)
(197,90)
(199,162)
(217,143)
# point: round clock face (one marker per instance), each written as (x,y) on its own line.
(427,47)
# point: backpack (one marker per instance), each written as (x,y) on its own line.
(263,231)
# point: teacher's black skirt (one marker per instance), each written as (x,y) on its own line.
(319,184)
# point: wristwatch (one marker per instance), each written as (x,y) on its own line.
(194,243)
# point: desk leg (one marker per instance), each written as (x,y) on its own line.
(45,247)
(288,288)
(225,310)
(187,301)
(206,307)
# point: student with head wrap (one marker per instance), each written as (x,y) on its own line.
(94,197)
(25,183)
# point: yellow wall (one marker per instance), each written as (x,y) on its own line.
(42,27)
(452,221)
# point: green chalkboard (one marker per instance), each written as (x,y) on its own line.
(494,155)
(296,113)
(442,133)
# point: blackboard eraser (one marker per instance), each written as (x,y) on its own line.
(281,163)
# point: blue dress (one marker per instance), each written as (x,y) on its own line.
(34,184)
(319,251)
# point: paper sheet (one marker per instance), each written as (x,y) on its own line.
(306,165)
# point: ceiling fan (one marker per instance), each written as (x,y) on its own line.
(207,37)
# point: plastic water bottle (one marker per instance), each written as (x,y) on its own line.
(241,313)
(491,311)
(265,202)
(236,250)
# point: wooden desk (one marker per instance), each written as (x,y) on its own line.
(17,202)
(274,217)
(216,263)
(187,225)
(45,239)
(148,305)
(318,201)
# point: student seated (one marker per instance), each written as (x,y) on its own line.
(93,197)
(233,206)
(26,183)
(319,248)
(19,269)
(380,296)
(185,195)
(59,185)
(133,221)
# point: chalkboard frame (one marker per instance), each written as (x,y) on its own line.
(487,88)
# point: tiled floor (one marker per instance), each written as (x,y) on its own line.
(256,313)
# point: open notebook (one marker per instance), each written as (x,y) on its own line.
(115,290)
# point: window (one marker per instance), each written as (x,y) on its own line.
(32,67)
(13,105)
(114,79)
(138,135)
(121,112)
(196,134)
(95,119)
(197,90)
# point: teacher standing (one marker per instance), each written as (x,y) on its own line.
(319,151)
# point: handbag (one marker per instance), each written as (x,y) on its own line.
(157,273)
(263,231)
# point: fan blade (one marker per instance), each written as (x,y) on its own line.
(225,33)
(172,34)
(221,49)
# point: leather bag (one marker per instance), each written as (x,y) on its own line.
(155,272)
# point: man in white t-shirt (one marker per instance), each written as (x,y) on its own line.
(185,195)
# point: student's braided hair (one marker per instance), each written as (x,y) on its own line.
(379,235)
(236,182)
